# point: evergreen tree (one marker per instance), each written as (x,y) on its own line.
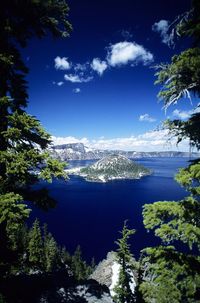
(65,257)
(36,247)
(169,276)
(93,265)
(23,141)
(173,276)
(51,253)
(78,265)
(123,293)
(12,215)
(21,240)
(2,299)
(90,268)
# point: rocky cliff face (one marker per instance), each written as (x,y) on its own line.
(77,151)
(107,273)
(73,151)
(103,272)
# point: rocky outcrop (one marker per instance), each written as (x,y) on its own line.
(87,292)
(107,273)
(56,287)
(103,272)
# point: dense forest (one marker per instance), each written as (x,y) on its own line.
(164,273)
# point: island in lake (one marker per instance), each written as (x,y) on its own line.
(111,167)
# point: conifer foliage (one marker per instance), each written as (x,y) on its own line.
(170,275)
(35,246)
(79,267)
(52,253)
(23,141)
(39,252)
(123,292)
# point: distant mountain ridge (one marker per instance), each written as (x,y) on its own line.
(78,151)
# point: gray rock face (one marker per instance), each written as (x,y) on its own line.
(73,151)
(107,273)
(77,151)
(89,292)
(103,273)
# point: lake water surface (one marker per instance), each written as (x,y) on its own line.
(91,214)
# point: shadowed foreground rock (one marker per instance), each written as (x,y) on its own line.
(55,288)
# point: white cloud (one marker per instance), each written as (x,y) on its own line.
(69,139)
(77,78)
(162,27)
(124,52)
(117,54)
(147,118)
(58,83)
(76,90)
(62,63)
(99,66)
(157,140)
(81,67)
(181,114)
(185,114)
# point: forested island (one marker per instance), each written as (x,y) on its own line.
(114,167)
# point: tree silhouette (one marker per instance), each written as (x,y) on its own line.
(24,159)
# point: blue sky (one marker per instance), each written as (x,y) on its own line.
(97,85)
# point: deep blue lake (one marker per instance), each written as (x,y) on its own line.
(91,214)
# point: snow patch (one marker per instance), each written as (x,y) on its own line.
(73,170)
(62,292)
(87,149)
(102,178)
(133,283)
(59,151)
(115,277)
